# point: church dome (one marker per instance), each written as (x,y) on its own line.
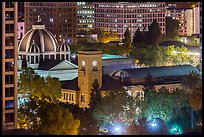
(34,48)
(42,37)
(64,47)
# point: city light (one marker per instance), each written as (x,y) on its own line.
(175,130)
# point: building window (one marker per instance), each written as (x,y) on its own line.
(65,96)
(9,79)
(9,53)
(9,66)
(9,92)
(9,41)
(9,117)
(9,104)
(9,4)
(9,15)
(32,59)
(71,97)
(9,28)
(83,98)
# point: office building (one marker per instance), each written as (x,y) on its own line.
(117,16)
(188,18)
(9,64)
(59,17)
(85,16)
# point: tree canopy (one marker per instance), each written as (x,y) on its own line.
(41,115)
(30,82)
(127,38)
(172,29)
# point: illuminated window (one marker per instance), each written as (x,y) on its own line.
(71,97)
(9,104)
(83,98)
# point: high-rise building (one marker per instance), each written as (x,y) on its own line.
(59,17)
(85,15)
(117,16)
(188,18)
(200,5)
(9,64)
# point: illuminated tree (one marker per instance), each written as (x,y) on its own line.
(113,109)
(25,80)
(41,115)
(164,105)
(32,83)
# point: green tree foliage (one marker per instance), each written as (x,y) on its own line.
(106,48)
(95,95)
(25,80)
(105,37)
(193,85)
(138,38)
(41,115)
(176,55)
(127,38)
(30,82)
(113,108)
(163,105)
(154,33)
(148,55)
(172,29)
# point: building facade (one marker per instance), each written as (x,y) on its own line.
(9,64)
(39,45)
(117,16)
(85,16)
(189,19)
(200,4)
(59,17)
(89,69)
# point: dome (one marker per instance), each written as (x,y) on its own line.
(34,48)
(64,47)
(42,37)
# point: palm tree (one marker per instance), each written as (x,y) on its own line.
(193,85)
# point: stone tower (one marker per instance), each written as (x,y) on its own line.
(89,69)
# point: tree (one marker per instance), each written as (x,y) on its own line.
(112,109)
(32,83)
(148,85)
(127,38)
(163,105)
(41,115)
(172,29)
(154,34)
(176,55)
(138,37)
(193,85)
(95,95)
(25,79)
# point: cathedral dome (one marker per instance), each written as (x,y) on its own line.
(42,37)
(64,47)
(34,48)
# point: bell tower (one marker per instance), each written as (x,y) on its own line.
(89,69)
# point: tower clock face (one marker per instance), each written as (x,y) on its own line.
(83,63)
(94,63)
